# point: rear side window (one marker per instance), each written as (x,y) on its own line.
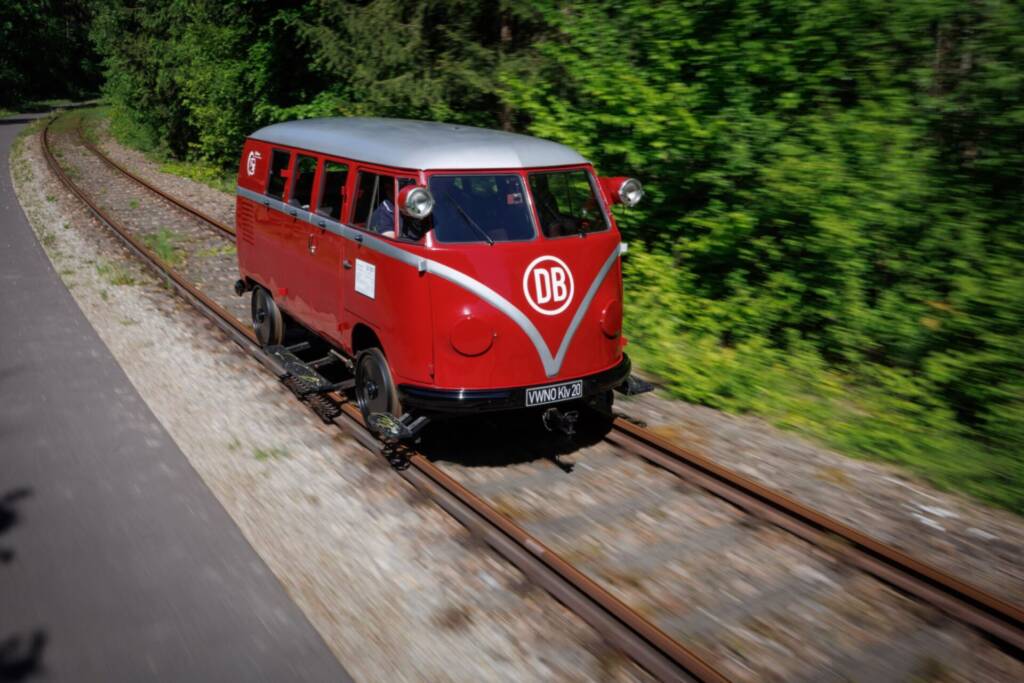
(332,189)
(375,203)
(566,203)
(279,161)
(302,183)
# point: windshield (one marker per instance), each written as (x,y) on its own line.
(480,208)
(566,203)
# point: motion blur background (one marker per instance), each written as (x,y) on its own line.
(832,235)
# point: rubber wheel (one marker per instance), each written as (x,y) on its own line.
(375,390)
(267,321)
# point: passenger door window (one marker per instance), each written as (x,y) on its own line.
(279,161)
(375,203)
(332,189)
(302,182)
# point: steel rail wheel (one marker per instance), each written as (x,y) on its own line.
(267,320)
(375,390)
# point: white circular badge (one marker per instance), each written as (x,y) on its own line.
(548,285)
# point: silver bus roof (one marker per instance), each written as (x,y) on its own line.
(422,145)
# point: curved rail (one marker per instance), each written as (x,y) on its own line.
(222,227)
(618,624)
(998,619)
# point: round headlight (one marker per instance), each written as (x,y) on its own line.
(418,202)
(631,192)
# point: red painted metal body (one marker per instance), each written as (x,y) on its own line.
(435,333)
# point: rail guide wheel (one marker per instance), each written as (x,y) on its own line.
(267,320)
(375,390)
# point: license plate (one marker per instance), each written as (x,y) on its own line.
(554,393)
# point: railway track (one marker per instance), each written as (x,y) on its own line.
(541,554)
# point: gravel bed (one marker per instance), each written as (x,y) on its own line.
(962,536)
(754,601)
(209,201)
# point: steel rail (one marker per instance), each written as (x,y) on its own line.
(618,624)
(222,227)
(994,617)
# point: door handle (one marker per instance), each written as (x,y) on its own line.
(311,244)
(346,264)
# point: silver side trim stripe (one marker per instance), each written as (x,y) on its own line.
(552,363)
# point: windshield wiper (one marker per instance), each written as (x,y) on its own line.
(472,223)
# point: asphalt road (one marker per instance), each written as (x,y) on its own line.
(116,561)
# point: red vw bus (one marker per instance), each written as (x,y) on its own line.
(453,269)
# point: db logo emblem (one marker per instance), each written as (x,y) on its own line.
(250,163)
(548,285)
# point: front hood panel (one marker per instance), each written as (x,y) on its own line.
(544,300)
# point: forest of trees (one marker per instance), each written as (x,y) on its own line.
(834,226)
(45,51)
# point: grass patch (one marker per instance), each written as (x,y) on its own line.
(207,174)
(134,204)
(225,249)
(114,274)
(163,243)
(275,453)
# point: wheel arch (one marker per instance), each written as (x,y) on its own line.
(364,337)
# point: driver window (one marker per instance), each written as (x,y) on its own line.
(375,203)
(566,203)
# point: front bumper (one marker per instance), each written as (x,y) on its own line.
(461,401)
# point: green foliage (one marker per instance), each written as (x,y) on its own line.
(833,231)
(202,172)
(835,222)
(45,51)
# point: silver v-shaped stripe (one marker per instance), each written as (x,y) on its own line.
(552,363)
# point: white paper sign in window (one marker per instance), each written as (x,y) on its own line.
(366,278)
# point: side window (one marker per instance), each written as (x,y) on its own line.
(332,189)
(375,203)
(279,161)
(302,182)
